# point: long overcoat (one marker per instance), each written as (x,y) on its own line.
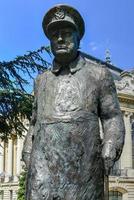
(66,161)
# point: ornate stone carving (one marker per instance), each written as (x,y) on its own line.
(126,84)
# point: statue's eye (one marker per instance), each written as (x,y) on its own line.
(68,33)
(54,35)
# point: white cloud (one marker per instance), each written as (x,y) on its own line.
(93,46)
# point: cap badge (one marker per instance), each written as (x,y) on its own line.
(59,14)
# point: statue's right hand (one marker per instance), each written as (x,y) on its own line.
(109,156)
(26,159)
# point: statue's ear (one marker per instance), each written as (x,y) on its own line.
(78,39)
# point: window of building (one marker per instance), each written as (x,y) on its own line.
(11,195)
(115,195)
(1,195)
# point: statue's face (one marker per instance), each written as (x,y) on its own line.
(64,44)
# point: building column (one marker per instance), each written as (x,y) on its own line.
(132,130)
(10,158)
(1,156)
(19,155)
(126,158)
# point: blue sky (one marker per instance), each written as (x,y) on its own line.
(109,24)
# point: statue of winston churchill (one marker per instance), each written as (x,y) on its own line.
(63,152)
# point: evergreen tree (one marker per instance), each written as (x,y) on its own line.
(15,101)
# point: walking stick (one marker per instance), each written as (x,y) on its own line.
(106,187)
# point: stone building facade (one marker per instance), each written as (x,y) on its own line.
(121,180)
(10,167)
(122,175)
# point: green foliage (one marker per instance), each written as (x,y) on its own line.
(11,72)
(22,183)
(15,105)
(15,101)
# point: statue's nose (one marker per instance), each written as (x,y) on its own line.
(60,38)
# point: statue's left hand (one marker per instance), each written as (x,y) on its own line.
(108,164)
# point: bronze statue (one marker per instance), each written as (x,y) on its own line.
(64,154)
